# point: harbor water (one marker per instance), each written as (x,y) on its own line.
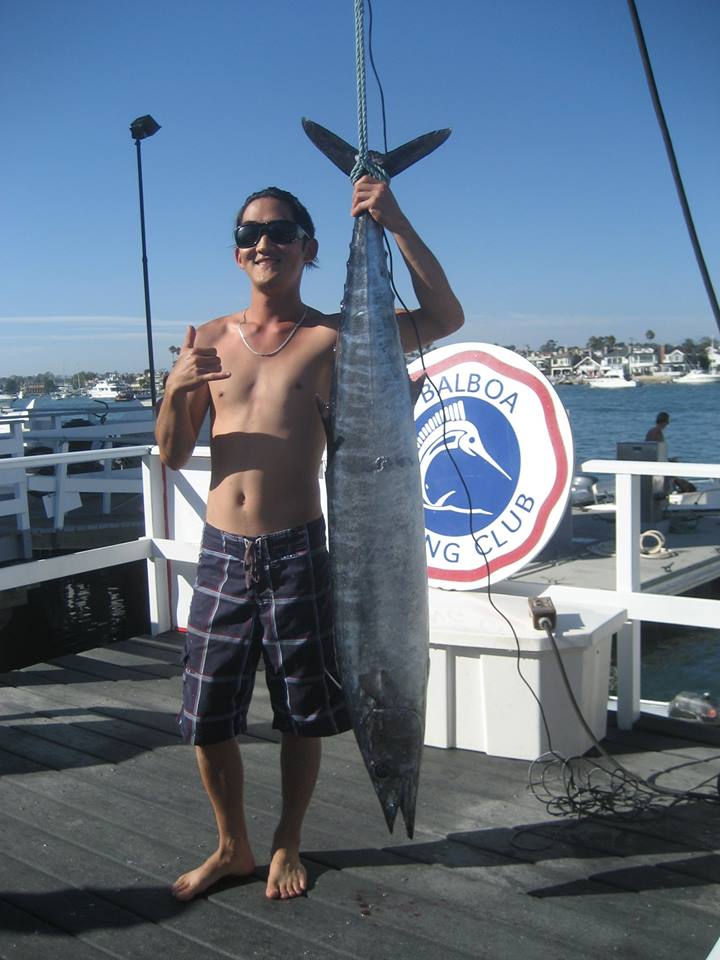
(600,419)
(111,605)
(74,613)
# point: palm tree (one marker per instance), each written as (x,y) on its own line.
(649,334)
(175,351)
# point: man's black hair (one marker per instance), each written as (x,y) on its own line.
(300,214)
(662,417)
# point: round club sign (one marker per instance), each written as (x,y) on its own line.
(496,456)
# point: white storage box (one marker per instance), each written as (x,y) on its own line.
(476,698)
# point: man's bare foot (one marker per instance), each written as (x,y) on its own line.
(287,876)
(220,864)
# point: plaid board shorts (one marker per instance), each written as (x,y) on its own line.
(269,595)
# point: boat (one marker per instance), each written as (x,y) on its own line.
(699,376)
(110,390)
(612,380)
(704,499)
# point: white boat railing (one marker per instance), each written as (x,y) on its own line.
(174,507)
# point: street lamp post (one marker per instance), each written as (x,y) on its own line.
(140,129)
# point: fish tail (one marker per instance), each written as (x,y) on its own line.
(344,156)
(407,806)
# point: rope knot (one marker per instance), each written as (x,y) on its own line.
(365,165)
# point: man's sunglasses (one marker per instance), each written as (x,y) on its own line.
(279,231)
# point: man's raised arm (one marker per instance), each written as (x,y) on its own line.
(440,313)
(186,401)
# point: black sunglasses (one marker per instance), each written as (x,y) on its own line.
(279,231)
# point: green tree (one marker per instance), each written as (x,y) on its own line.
(690,349)
(11,385)
(650,335)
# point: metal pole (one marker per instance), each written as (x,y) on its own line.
(659,113)
(146,282)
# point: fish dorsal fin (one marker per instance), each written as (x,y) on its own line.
(344,156)
(416,385)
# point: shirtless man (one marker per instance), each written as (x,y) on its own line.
(657,433)
(260,371)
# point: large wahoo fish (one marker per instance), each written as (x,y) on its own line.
(375,512)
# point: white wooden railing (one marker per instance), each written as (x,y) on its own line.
(652,607)
(60,490)
(174,504)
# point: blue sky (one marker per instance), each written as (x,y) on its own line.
(551,207)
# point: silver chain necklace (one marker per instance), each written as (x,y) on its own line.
(285,342)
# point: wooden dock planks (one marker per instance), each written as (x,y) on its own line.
(103,808)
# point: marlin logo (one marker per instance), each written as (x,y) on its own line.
(451,431)
(500,425)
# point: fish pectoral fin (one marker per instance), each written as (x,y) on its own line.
(416,385)
(443,499)
(324,411)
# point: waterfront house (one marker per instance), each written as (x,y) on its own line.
(614,363)
(642,361)
(34,388)
(674,362)
(541,360)
(561,366)
(587,366)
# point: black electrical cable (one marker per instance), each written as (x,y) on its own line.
(589,788)
(377,78)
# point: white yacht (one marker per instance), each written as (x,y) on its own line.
(108,390)
(611,380)
(699,376)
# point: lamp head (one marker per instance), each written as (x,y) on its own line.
(143,127)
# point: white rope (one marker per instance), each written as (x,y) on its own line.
(655,544)
(363,162)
